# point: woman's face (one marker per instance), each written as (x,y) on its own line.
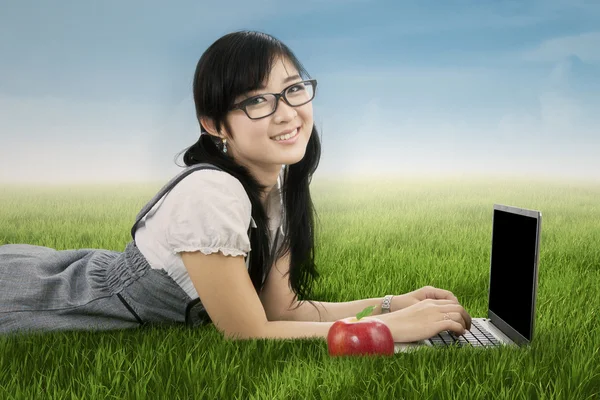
(253,141)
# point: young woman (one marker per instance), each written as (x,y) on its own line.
(230,240)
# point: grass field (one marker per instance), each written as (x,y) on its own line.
(373,238)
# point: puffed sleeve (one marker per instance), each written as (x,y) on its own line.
(209,211)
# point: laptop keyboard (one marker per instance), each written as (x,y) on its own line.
(476,337)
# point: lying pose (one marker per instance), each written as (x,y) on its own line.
(227,241)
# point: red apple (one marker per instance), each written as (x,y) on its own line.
(359,336)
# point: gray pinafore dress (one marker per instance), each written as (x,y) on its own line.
(43,289)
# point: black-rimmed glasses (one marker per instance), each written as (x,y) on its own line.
(263,105)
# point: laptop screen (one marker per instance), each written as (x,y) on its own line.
(512,269)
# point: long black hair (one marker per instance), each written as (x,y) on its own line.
(235,64)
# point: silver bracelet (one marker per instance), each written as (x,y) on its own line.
(386,304)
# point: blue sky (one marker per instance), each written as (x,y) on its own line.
(102,90)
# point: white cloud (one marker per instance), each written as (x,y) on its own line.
(586,46)
(560,114)
(55,139)
(558,138)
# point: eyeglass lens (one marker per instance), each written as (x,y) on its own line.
(296,95)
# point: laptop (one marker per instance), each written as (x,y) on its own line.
(512,290)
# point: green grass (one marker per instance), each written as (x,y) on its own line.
(373,238)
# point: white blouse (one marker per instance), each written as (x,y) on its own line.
(207,211)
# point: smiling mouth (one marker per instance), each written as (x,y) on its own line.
(287,136)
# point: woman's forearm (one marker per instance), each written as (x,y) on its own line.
(332,311)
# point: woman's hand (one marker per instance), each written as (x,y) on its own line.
(402,301)
(425,319)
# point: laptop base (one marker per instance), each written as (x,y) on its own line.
(497,339)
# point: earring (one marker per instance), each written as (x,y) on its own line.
(224,145)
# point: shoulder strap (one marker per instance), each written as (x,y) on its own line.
(166,188)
